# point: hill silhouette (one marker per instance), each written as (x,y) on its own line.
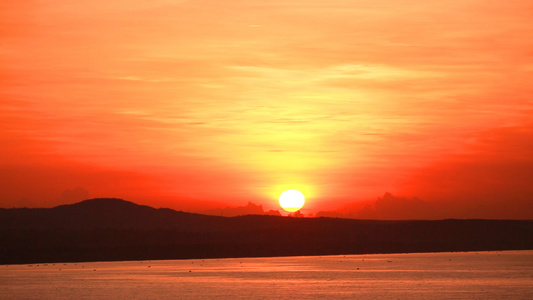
(102,213)
(114,229)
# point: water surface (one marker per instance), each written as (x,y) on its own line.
(471,275)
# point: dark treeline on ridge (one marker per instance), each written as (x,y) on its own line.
(114,229)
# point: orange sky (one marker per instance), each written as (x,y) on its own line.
(196,105)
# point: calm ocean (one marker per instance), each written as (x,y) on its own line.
(472,275)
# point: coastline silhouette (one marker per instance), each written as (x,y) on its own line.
(115,229)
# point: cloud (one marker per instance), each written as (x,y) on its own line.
(492,178)
(249,209)
(299,214)
(349,98)
(388,207)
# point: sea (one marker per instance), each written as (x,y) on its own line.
(460,275)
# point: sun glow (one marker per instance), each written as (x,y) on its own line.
(291,200)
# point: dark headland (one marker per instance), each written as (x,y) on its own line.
(114,229)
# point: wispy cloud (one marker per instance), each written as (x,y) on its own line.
(346,96)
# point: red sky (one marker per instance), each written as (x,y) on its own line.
(199,105)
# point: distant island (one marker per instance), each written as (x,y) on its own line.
(114,229)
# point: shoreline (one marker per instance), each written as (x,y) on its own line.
(122,231)
(289,256)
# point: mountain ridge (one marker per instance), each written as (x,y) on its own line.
(97,213)
(115,229)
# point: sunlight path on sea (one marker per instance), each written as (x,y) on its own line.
(489,275)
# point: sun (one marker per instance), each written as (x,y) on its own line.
(291,200)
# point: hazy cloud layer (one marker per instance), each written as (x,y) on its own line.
(249,209)
(190,104)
